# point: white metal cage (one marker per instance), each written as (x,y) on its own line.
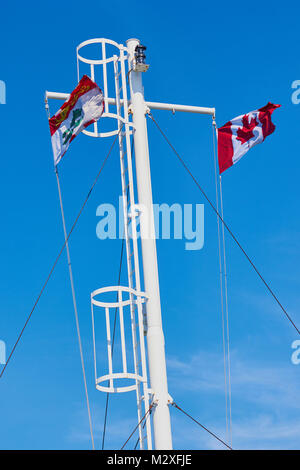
(111,64)
(114,378)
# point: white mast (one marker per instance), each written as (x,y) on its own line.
(155,337)
(131,296)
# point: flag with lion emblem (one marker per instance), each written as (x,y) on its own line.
(84,106)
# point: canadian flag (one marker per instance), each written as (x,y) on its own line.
(243,132)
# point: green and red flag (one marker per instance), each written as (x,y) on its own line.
(84,106)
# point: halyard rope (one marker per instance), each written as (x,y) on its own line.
(75,307)
(225,340)
(226,314)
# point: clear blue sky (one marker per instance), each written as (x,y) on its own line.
(236,58)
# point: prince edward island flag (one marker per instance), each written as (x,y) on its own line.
(84,106)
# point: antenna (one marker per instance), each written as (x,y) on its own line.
(130,119)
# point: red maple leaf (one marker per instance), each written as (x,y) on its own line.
(245,133)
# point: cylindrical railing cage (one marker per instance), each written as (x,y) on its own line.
(118,322)
(112,63)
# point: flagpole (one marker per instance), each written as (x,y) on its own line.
(217,186)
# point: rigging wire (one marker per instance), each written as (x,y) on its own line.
(221,282)
(203,427)
(59,255)
(75,307)
(138,439)
(225,224)
(140,422)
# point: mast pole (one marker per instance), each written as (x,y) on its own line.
(155,337)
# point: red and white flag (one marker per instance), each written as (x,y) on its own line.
(243,132)
(84,106)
